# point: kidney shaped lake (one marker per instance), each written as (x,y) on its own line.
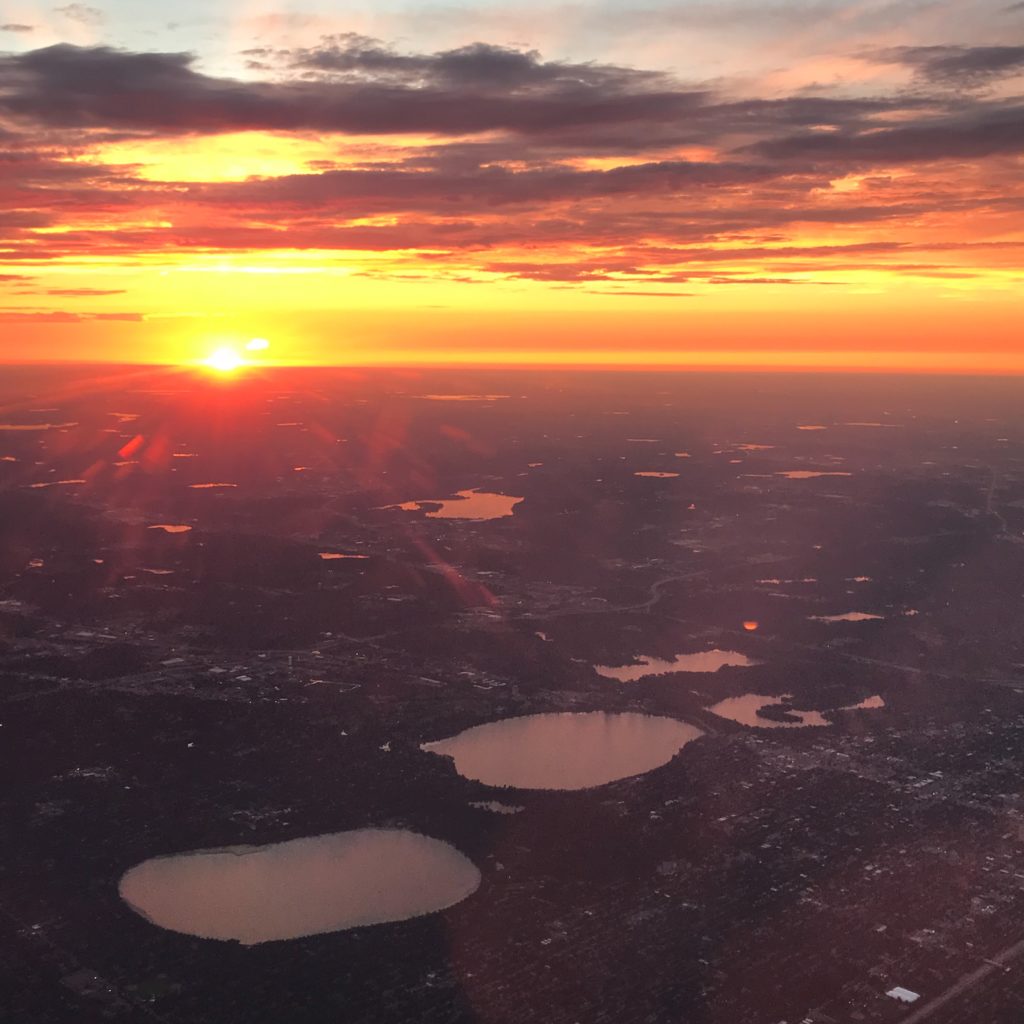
(565,750)
(302,887)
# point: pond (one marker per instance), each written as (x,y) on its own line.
(565,750)
(309,886)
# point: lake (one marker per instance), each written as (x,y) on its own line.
(744,710)
(809,474)
(288,890)
(565,750)
(702,661)
(474,504)
(846,617)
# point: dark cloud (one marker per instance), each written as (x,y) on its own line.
(72,86)
(15,27)
(480,66)
(478,89)
(997,131)
(510,173)
(375,190)
(960,66)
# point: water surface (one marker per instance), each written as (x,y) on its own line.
(565,750)
(846,617)
(809,474)
(702,661)
(302,887)
(474,505)
(744,710)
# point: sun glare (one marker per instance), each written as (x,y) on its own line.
(224,360)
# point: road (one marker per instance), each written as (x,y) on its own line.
(966,982)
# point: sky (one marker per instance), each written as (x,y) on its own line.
(704,183)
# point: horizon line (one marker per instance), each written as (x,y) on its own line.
(549,365)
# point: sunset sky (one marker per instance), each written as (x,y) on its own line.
(794,183)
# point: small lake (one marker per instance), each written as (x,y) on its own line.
(846,617)
(702,661)
(746,711)
(809,474)
(171,527)
(565,750)
(310,886)
(474,505)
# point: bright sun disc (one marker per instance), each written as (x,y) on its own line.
(224,359)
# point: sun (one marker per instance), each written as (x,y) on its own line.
(224,360)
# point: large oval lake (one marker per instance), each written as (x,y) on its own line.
(301,887)
(565,750)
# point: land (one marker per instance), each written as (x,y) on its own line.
(171,691)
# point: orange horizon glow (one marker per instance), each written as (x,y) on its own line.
(871,241)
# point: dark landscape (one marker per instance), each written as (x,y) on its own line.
(238,683)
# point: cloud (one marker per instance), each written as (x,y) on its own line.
(479,66)
(82,13)
(77,292)
(82,87)
(998,131)
(61,316)
(502,164)
(964,67)
(15,27)
(359,192)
